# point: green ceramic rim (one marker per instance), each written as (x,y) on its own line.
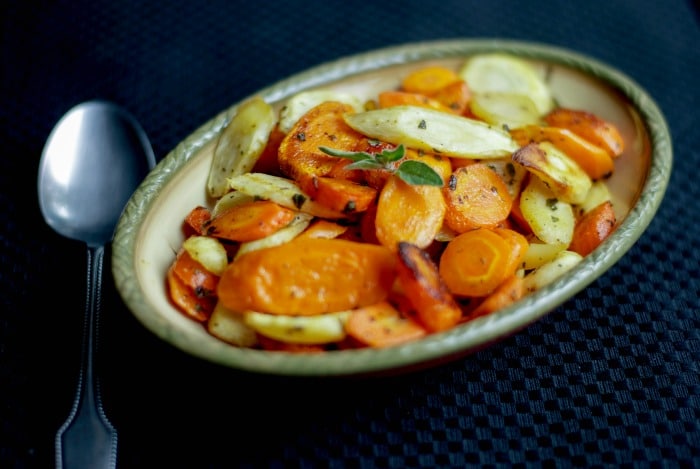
(435,348)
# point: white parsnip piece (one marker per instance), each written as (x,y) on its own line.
(320,329)
(300,103)
(282,191)
(505,109)
(598,194)
(434,132)
(513,174)
(240,144)
(538,254)
(552,270)
(230,199)
(207,251)
(551,220)
(284,235)
(503,73)
(230,327)
(562,175)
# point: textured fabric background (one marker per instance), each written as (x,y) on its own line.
(609,379)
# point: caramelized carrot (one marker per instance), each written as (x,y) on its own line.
(190,287)
(268,162)
(589,126)
(249,221)
(382,325)
(342,195)
(507,293)
(455,96)
(194,275)
(308,277)
(321,228)
(195,221)
(299,155)
(421,283)
(408,213)
(429,79)
(475,197)
(594,160)
(519,246)
(592,228)
(405,98)
(475,263)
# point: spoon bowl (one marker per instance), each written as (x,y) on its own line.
(93,160)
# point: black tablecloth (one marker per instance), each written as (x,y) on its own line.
(610,378)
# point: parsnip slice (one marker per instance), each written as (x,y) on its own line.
(433,131)
(552,270)
(281,191)
(551,220)
(240,144)
(300,103)
(503,73)
(504,109)
(562,175)
(321,329)
(284,235)
(207,251)
(230,327)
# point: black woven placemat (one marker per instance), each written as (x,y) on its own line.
(609,379)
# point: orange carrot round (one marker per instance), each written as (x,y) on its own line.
(475,263)
(589,126)
(428,80)
(475,197)
(381,325)
(408,213)
(249,221)
(307,277)
(592,228)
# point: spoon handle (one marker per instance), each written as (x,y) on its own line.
(87,438)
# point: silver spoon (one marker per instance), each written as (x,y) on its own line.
(94,158)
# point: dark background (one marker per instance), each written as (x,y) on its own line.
(611,378)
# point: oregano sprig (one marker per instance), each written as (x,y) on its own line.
(413,172)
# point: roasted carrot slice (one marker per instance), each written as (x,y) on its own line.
(268,162)
(475,263)
(408,213)
(594,160)
(342,195)
(196,220)
(382,325)
(321,228)
(519,246)
(197,303)
(428,80)
(194,275)
(592,228)
(405,98)
(475,197)
(455,96)
(323,126)
(308,277)
(589,126)
(419,277)
(507,293)
(249,221)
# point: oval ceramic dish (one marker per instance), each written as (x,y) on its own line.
(149,232)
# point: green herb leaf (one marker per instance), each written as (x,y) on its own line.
(389,156)
(352,155)
(365,164)
(413,172)
(418,173)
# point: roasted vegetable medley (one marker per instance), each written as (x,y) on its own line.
(340,223)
